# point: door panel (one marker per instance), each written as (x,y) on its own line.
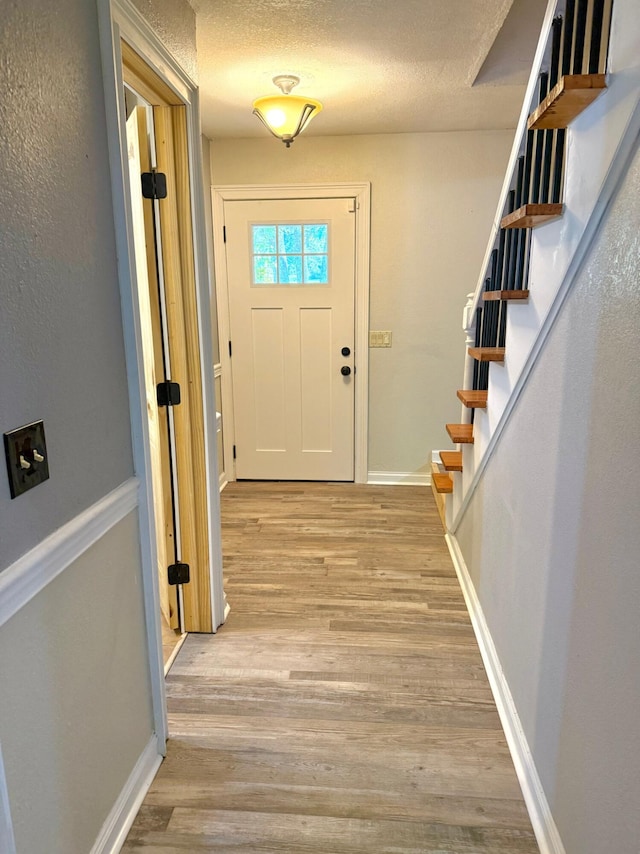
(268,378)
(291,309)
(315,379)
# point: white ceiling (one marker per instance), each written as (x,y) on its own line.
(378,66)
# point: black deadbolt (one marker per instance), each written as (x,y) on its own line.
(345,370)
(345,351)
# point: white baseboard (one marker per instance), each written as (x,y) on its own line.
(7,839)
(31,573)
(399,478)
(223,481)
(535,799)
(114,831)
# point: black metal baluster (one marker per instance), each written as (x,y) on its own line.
(528,163)
(596,36)
(515,239)
(493,284)
(579,36)
(476,343)
(485,339)
(511,199)
(534,192)
(501,253)
(567,36)
(549,135)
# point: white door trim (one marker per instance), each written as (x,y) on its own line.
(119,19)
(361,192)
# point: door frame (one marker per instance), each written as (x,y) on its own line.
(120,20)
(361,192)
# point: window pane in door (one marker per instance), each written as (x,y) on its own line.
(315,238)
(315,270)
(289,239)
(264,239)
(290,269)
(265,271)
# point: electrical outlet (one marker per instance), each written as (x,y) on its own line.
(380,338)
(26,453)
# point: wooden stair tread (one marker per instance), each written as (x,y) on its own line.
(451,460)
(473,399)
(568,98)
(506,295)
(460,433)
(531,215)
(487,354)
(442,482)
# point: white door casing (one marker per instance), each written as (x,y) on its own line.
(293,408)
(312,422)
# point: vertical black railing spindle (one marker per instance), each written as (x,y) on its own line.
(580,29)
(534,192)
(511,200)
(549,135)
(596,36)
(567,36)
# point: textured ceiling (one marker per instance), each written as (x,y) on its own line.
(378,66)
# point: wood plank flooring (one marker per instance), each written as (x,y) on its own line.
(344,707)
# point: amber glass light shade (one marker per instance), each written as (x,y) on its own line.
(286,116)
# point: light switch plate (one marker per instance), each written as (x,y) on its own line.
(380,338)
(26,454)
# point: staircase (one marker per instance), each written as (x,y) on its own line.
(578,125)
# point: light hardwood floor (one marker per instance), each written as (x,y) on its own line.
(344,707)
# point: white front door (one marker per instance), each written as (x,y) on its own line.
(291,284)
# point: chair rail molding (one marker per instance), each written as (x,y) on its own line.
(32,572)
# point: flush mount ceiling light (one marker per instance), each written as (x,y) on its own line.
(286,115)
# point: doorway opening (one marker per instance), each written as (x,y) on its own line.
(160,203)
(292,273)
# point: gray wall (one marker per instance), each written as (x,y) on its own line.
(75,709)
(431,195)
(61,346)
(174,22)
(552,539)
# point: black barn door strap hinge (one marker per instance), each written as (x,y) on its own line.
(154,185)
(178,573)
(168,394)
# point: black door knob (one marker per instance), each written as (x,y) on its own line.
(345,370)
(345,351)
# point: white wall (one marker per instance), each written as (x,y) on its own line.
(75,709)
(433,200)
(552,538)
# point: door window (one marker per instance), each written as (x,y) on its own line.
(290,254)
